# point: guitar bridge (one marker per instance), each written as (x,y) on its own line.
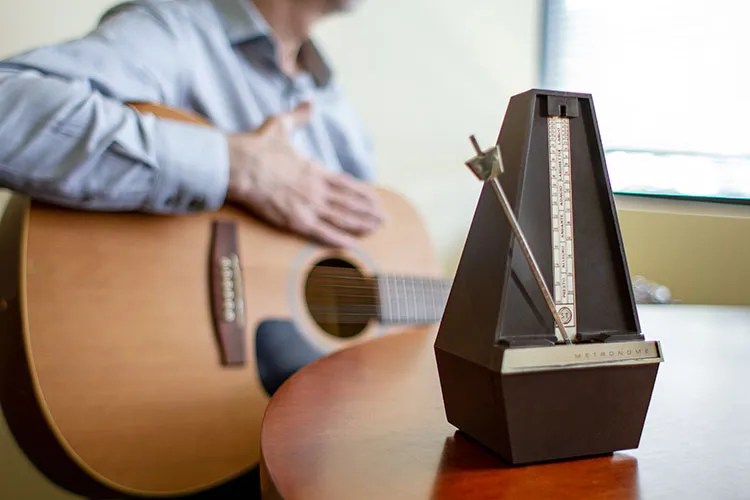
(227,293)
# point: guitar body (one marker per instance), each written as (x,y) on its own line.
(110,366)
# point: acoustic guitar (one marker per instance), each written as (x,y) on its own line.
(138,352)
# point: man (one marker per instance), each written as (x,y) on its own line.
(286,144)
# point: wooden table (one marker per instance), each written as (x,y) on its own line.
(368,422)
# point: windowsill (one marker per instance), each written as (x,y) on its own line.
(684,205)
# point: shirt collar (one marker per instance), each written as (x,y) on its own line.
(243,22)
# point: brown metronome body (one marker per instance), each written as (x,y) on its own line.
(507,377)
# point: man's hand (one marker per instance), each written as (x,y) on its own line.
(267,176)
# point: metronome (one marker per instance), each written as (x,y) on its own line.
(539,352)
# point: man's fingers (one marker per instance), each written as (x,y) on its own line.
(331,235)
(347,220)
(305,220)
(365,206)
(298,117)
(346,183)
(353,211)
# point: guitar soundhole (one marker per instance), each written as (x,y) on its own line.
(340,299)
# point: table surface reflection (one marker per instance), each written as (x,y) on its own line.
(368,422)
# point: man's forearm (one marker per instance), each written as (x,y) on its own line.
(63,142)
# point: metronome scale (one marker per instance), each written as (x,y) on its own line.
(541,326)
(561,221)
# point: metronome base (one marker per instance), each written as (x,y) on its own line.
(542,413)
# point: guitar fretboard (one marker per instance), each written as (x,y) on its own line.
(410,300)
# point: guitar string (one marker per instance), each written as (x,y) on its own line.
(320,291)
(435,282)
(348,273)
(325,283)
(384,288)
(359,307)
(322,306)
(317,285)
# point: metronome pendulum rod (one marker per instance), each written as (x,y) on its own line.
(489,170)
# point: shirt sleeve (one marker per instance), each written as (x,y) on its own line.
(66,137)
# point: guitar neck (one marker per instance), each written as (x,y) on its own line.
(411,300)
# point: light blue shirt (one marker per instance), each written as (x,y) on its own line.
(66,137)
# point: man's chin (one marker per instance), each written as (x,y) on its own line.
(344,5)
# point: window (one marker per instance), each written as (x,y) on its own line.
(670,82)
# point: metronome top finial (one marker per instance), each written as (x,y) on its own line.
(486,164)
